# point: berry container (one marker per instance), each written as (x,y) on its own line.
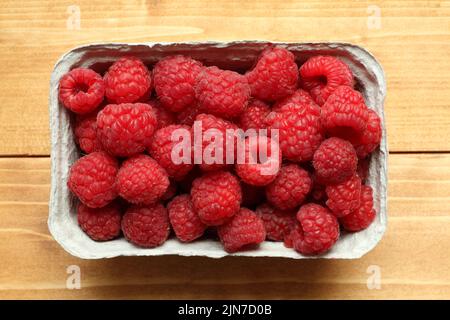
(238,56)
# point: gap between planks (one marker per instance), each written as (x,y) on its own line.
(10,156)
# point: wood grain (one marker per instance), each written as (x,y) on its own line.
(413,45)
(411,256)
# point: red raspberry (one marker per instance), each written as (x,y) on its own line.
(299,99)
(254,116)
(362,217)
(321,75)
(290,187)
(345,114)
(146,226)
(216,197)
(223,93)
(126,129)
(184,220)
(252,195)
(343,198)
(85,131)
(174,80)
(371,137)
(163,116)
(335,161)
(363,168)
(128,80)
(162,147)
(92,179)
(300,130)
(277,223)
(257,170)
(100,224)
(141,180)
(81,90)
(317,232)
(275,74)
(213,133)
(245,229)
(188,115)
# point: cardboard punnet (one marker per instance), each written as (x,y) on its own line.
(239,55)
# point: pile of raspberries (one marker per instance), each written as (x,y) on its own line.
(127,182)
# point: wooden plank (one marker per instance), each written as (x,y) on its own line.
(419,185)
(39,268)
(35,266)
(412,43)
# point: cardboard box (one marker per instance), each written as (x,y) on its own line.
(231,55)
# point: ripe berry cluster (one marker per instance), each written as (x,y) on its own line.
(128,182)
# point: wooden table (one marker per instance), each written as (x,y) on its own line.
(411,39)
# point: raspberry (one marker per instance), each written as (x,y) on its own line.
(290,187)
(223,93)
(163,116)
(321,75)
(335,161)
(174,79)
(188,115)
(216,197)
(92,179)
(262,161)
(275,74)
(343,198)
(162,147)
(85,131)
(213,133)
(300,130)
(126,129)
(141,180)
(370,139)
(185,222)
(81,90)
(345,114)
(254,115)
(146,226)
(277,223)
(300,98)
(245,229)
(251,195)
(127,80)
(100,224)
(317,232)
(363,168)
(362,217)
